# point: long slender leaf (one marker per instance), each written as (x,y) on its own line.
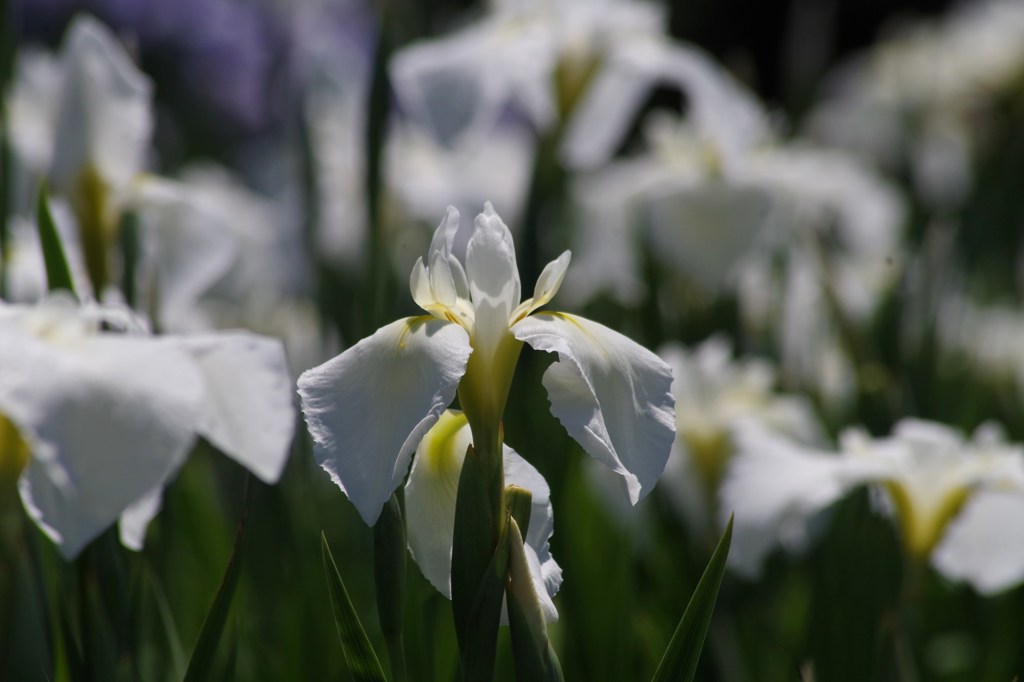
(680,660)
(389,552)
(58,275)
(200,666)
(362,660)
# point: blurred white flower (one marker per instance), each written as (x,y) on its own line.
(368,408)
(916,98)
(957,502)
(83,119)
(421,178)
(538,56)
(430,495)
(108,417)
(714,395)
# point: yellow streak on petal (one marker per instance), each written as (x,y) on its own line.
(14,454)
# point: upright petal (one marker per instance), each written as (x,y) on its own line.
(493,278)
(611,394)
(368,408)
(248,412)
(104,119)
(107,419)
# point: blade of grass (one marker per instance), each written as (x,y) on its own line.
(362,660)
(200,666)
(680,660)
(58,275)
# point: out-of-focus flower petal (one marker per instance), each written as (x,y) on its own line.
(104,118)
(248,412)
(611,395)
(774,486)
(107,419)
(368,408)
(984,544)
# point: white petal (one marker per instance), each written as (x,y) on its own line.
(706,230)
(774,486)
(135,519)
(611,395)
(107,418)
(248,409)
(32,107)
(430,498)
(104,119)
(446,87)
(368,408)
(547,286)
(719,108)
(186,248)
(493,278)
(984,544)
(545,571)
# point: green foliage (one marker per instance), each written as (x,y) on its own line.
(683,652)
(362,661)
(58,274)
(201,664)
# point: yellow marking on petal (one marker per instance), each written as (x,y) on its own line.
(710,450)
(922,527)
(410,325)
(97,224)
(14,454)
(438,446)
(593,339)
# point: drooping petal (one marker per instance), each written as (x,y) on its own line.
(984,544)
(493,278)
(134,521)
(546,573)
(774,486)
(108,419)
(430,498)
(104,118)
(368,408)
(248,413)
(611,395)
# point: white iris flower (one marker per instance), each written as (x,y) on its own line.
(96,423)
(714,395)
(370,407)
(958,503)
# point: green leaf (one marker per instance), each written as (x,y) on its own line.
(683,652)
(362,661)
(200,666)
(389,552)
(479,644)
(58,275)
(531,650)
(479,559)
